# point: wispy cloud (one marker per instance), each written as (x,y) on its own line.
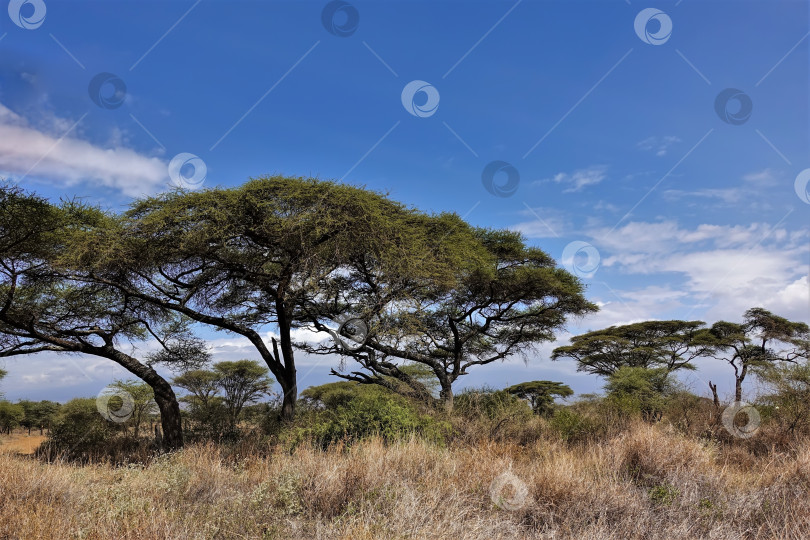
(659,145)
(542,223)
(52,156)
(765,177)
(748,193)
(578,179)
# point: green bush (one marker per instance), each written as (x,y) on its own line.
(640,391)
(11,415)
(485,414)
(209,421)
(349,412)
(492,404)
(572,426)
(79,431)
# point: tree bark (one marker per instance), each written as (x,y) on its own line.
(715,399)
(446,396)
(290,389)
(170,420)
(166,400)
(289,378)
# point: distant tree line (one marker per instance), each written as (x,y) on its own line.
(762,340)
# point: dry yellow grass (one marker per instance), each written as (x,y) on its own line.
(649,482)
(20,443)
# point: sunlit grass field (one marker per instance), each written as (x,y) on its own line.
(647,482)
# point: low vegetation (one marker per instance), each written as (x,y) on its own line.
(629,479)
(394,449)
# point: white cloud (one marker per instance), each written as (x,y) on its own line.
(727,195)
(749,193)
(726,269)
(765,177)
(26,151)
(579,179)
(542,223)
(659,145)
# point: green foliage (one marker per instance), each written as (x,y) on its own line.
(788,402)
(670,345)
(571,426)
(242,257)
(636,390)
(38,414)
(337,394)
(352,411)
(218,396)
(492,404)
(420,373)
(206,409)
(11,414)
(79,430)
(143,398)
(541,394)
(501,300)
(663,494)
(761,340)
(241,382)
(200,383)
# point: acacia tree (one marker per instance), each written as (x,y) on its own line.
(540,394)
(38,414)
(143,402)
(11,415)
(671,345)
(502,301)
(201,384)
(762,339)
(241,382)
(44,308)
(245,258)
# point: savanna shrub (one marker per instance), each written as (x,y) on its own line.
(492,404)
(572,426)
(480,414)
(640,391)
(78,431)
(349,412)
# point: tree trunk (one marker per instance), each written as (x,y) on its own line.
(446,396)
(738,382)
(288,380)
(166,400)
(715,399)
(290,389)
(170,419)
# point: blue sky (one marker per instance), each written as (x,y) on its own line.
(615,135)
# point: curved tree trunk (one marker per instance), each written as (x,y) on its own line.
(170,419)
(166,400)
